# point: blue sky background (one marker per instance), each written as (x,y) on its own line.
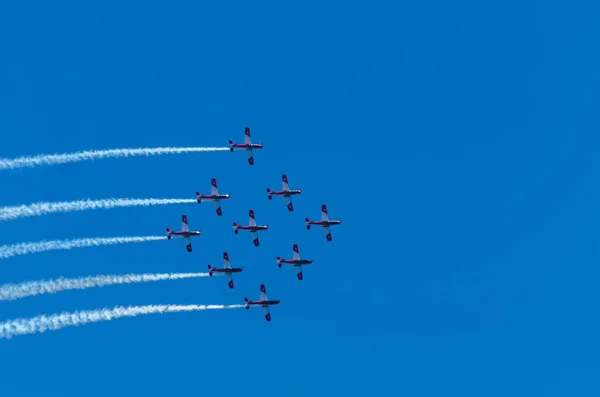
(457,141)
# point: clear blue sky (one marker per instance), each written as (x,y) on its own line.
(456,140)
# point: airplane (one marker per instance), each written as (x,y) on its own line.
(285,191)
(214,196)
(263,302)
(253,228)
(185,233)
(227,270)
(247,146)
(296,262)
(324,222)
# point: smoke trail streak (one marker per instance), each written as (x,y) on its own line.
(53,322)
(7,251)
(9,292)
(39,209)
(52,159)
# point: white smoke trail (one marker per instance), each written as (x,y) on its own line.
(7,251)
(39,209)
(24,326)
(9,292)
(52,159)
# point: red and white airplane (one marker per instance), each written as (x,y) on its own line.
(214,196)
(263,302)
(247,146)
(227,270)
(296,262)
(285,192)
(253,228)
(185,233)
(324,222)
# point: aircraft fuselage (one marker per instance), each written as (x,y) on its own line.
(263,303)
(325,223)
(286,193)
(297,261)
(223,270)
(253,228)
(184,234)
(213,197)
(244,146)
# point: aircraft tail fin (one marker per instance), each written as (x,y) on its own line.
(168,235)
(198,197)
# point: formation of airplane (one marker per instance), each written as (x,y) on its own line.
(214,196)
(295,261)
(252,227)
(185,233)
(285,192)
(325,222)
(263,302)
(247,146)
(226,270)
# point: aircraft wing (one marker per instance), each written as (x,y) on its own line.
(214,188)
(255,238)
(284,182)
(217,205)
(327,231)
(296,252)
(188,244)
(250,156)
(263,293)
(226,264)
(288,202)
(252,221)
(229,279)
(299,272)
(324,216)
(184,224)
(267,313)
(247,135)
